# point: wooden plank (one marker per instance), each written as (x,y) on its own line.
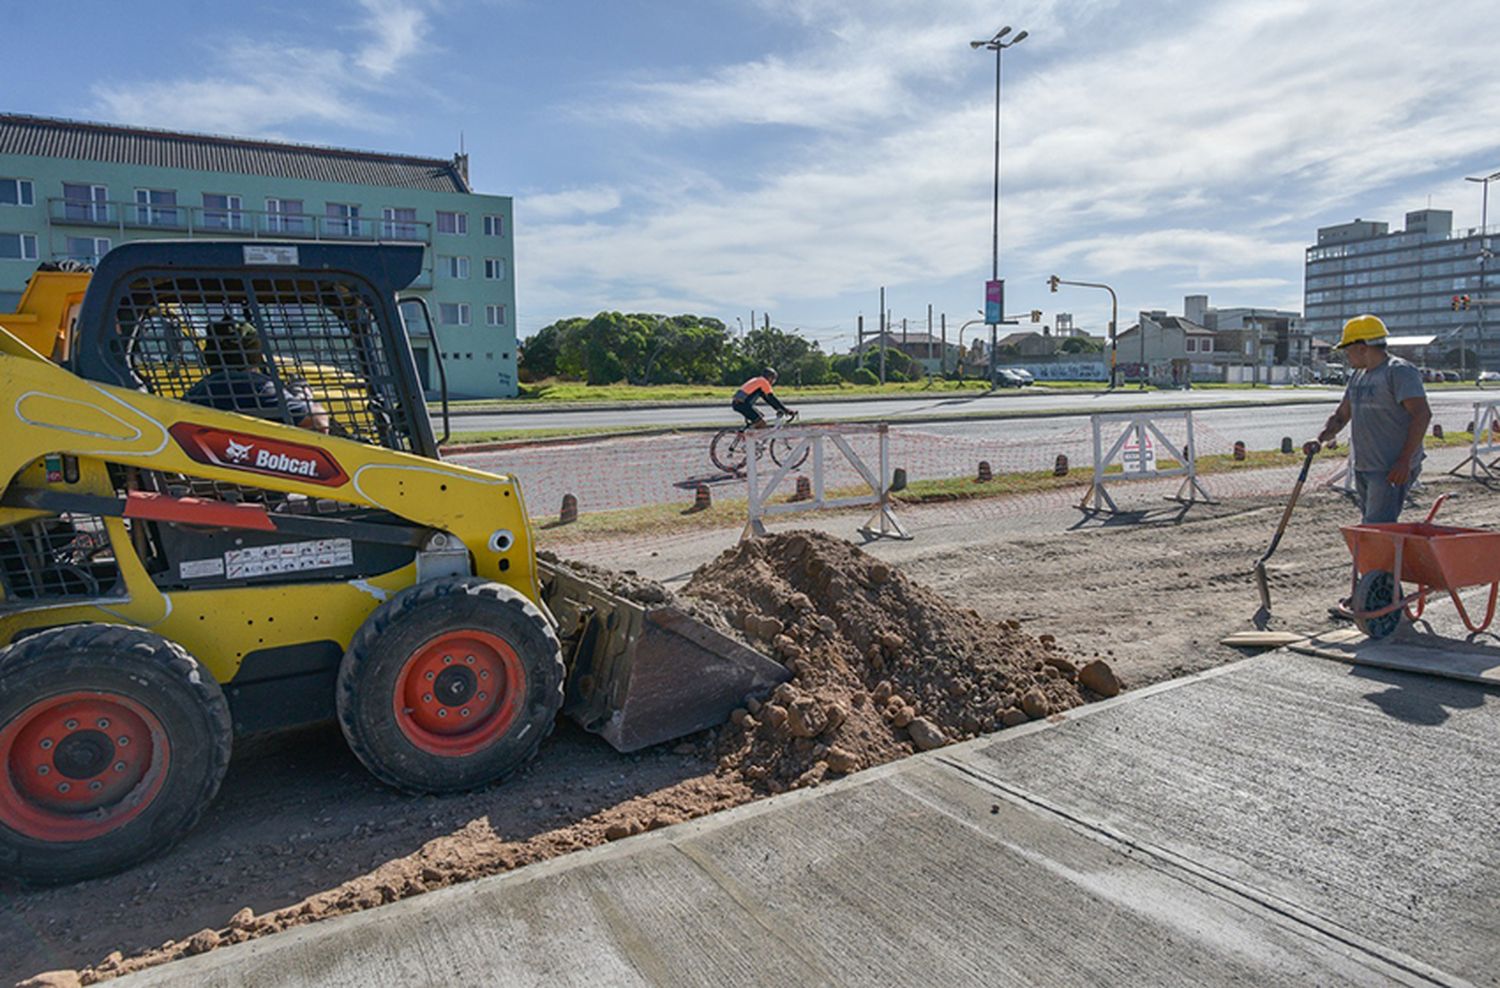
(1428,655)
(1262,639)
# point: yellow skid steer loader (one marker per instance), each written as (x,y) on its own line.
(224,512)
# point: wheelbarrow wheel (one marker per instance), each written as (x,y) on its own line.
(1374,591)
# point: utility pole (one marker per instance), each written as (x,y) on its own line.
(1484,255)
(943,346)
(882,334)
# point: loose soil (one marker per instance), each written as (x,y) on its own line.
(300,831)
(881,667)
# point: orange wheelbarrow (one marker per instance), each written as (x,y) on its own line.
(1432,558)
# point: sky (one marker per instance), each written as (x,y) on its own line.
(730,157)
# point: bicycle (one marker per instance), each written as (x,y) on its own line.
(729,448)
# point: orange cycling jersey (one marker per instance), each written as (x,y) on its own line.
(751,388)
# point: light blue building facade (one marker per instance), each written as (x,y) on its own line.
(73,190)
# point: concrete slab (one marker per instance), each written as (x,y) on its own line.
(1273,822)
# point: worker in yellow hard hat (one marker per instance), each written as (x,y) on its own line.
(1388,407)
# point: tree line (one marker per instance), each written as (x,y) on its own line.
(647,348)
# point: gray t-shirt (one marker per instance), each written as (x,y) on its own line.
(1378,429)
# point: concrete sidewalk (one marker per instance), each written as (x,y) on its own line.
(1283,820)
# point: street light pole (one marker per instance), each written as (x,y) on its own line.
(1484,253)
(997,45)
(1114,318)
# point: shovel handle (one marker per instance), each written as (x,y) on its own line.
(1310,450)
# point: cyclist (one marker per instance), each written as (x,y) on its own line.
(745,398)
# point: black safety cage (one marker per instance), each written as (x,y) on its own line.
(65,556)
(317,344)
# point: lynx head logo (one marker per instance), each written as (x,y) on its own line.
(238,452)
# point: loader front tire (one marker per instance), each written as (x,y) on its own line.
(450,685)
(113,740)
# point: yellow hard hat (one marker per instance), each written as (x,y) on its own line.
(1362,329)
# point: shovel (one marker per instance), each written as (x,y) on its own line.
(1262,582)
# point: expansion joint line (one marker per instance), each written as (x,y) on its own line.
(1298,915)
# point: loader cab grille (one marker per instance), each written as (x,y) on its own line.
(302,350)
(58,558)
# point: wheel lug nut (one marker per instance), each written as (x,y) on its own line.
(464,712)
(447,660)
(426,697)
(124,741)
(103,723)
(442,713)
(71,725)
(481,696)
(430,675)
(484,674)
(43,770)
(119,766)
(63,787)
(46,744)
(469,659)
(96,785)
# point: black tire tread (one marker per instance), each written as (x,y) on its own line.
(58,645)
(397,608)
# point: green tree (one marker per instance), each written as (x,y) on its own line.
(1080,344)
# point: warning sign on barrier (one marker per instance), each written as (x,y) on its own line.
(1138,456)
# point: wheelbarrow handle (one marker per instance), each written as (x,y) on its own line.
(1435,505)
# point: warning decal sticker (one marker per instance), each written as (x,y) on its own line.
(292,557)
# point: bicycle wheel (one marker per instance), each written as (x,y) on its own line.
(782,451)
(728,450)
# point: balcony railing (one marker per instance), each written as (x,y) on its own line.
(201,221)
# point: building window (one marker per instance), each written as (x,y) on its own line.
(494,315)
(453,267)
(456,223)
(222,212)
(85,203)
(453,313)
(285,216)
(494,226)
(16,192)
(1206,345)
(156,207)
(1191,345)
(399,223)
(494,268)
(342,219)
(17,247)
(88,250)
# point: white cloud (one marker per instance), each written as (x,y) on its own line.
(1203,146)
(570,202)
(260,88)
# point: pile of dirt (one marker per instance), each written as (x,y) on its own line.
(881,665)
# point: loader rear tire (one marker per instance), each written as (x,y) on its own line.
(450,685)
(113,741)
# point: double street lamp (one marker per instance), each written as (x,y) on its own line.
(997,44)
(1484,254)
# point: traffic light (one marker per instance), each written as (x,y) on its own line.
(1461,302)
(1465,300)
(1456,300)
(1053,282)
(1036,315)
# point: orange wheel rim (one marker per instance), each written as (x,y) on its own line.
(459,692)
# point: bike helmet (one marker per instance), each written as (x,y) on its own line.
(769,373)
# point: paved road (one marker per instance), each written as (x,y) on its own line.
(1012,402)
(1280,821)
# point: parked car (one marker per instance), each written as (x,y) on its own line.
(1025,375)
(1007,378)
(1451,377)
(1488,377)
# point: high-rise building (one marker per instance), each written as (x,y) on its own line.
(72,190)
(1427,279)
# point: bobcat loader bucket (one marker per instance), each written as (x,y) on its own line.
(641,674)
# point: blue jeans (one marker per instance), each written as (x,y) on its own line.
(1380,500)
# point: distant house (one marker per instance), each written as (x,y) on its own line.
(1027,344)
(1172,346)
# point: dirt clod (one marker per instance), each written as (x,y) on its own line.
(52,979)
(926,735)
(1100,678)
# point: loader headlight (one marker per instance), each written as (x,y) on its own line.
(502,540)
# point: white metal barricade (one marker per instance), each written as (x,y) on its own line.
(1483,460)
(1343,478)
(1134,452)
(815,440)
